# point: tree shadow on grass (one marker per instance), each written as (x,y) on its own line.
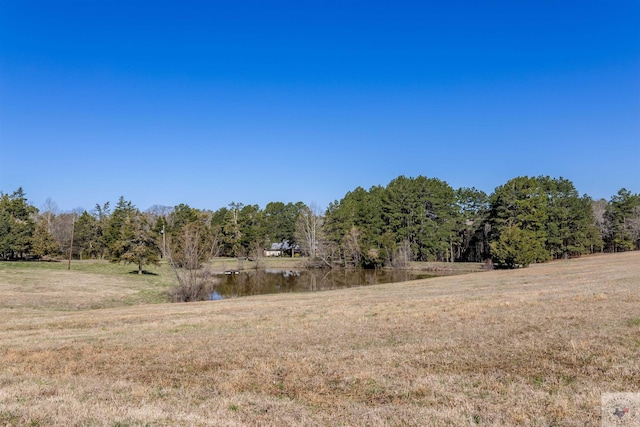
(149,273)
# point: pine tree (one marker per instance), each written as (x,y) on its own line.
(87,238)
(519,208)
(623,218)
(515,247)
(17,225)
(130,237)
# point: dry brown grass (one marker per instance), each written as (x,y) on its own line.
(536,346)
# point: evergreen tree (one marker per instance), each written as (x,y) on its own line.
(623,219)
(355,224)
(520,208)
(86,237)
(17,225)
(423,212)
(219,220)
(114,225)
(130,237)
(190,226)
(514,247)
(102,214)
(250,224)
(569,218)
(180,217)
(549,215)
(231,229)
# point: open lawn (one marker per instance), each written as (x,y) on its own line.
(533,347)
(90,284)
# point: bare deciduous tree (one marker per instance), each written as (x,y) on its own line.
(403,255)
(352,247)
(309,229)
(599,209)
(188,254)
(256,253)
(312,240)
(632,226)
(48,212)
(60,228)
(328,252)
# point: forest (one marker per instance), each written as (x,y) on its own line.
(527,220)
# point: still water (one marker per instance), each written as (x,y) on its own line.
(275,281)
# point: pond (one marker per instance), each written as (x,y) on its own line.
(270,281)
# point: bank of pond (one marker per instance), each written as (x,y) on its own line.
(232,283)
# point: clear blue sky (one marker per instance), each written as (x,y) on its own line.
(205,103)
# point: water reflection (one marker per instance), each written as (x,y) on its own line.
(271,281)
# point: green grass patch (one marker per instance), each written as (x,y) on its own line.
(634,322)
(90,284)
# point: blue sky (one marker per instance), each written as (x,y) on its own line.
(205,103)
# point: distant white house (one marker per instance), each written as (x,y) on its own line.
(273,252)
(279,249)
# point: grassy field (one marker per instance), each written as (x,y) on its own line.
(89,285)
(532,347)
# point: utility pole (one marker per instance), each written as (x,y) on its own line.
(164,242)
(73,224)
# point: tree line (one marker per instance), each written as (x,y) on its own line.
(524,221)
